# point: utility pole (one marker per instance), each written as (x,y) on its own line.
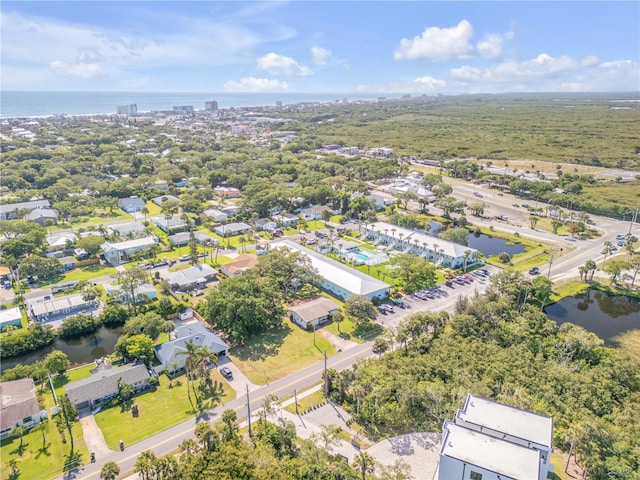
(248,411)
(295,397)
(550,262)
(326,378)
(633,220)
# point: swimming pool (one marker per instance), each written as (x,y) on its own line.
(361,256)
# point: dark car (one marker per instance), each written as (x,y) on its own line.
(226,372)
(534,271)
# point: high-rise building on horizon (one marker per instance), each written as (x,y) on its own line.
(131,109)
(211,106)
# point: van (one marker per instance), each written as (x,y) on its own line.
(184,258)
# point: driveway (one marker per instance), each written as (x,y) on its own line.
(93,435)
(421,451)
(238,381)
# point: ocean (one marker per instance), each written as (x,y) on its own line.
(41,104)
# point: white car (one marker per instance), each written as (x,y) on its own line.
(571,239)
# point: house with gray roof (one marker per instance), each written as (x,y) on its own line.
(41,215)
(313,312)
(215,215)
(131,204)
(232,229)
(182,238)
(19,406)
(9,211)
(163,198)
(168,224)
(193,277)
(59,241)
(102,385)
(56,309)
(171,354)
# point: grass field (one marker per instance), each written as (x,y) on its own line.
(38,459)
(279,352)
(306,402)
(160,408)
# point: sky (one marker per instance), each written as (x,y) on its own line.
(416,47)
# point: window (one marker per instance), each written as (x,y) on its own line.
(475,475)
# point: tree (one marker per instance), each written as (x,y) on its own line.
(456,235)
(229,418)
(364,463)
(110,471)
(541,289)
(193,248)
(284,267)
(504,257)
(591,267)
(533,221)
(555,225)
(169,208)
(615,268)
(42,267)
(130,280)
(19,431)
(607,251)
(244,306)
(151,324)
(145,463)
(416,273)
(449,205)
(91,244)
(69,416)
(125,391)
(56,362)
(138,347)
(360,309)
(477,209)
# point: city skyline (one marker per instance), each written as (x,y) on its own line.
(306,47)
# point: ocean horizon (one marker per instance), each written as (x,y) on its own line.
(19,104)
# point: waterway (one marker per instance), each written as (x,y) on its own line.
(605,315)
(80,350)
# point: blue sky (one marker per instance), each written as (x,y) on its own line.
(329,46)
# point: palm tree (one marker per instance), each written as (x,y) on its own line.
(466,255)
(191,351)
(364,463)
(591,267)
(436,247)
(607,251)
(145,464)
(110,471)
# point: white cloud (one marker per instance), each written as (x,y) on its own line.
(283,66)
(81,70)
(546,73)
(429,84)
(258,85)
(321,56)
(424,84)
(452,43)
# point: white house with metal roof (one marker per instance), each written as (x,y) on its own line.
(490,441)
(313,312)
(336,278)
(439,251)
(120,251)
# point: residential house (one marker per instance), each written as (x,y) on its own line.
(337,278)
(68,263)
(168,224)
(144,293)
(314,213)
(490,440)
(232,229)
(102,385)
(56,309)
(116,253)
(41,215)
(19,406)
(193,277)
(9,211)
(215,215)
(172,354)
(60,241)
(227,192)
(286,220)
(163,198)
(437,250)
(182,238)
(10,317)
(240,265)
(313,312)
(231,210)
(128,230)
(265,224)
(131,204)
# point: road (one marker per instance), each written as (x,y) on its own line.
(167,441)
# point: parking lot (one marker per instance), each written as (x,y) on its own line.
(441,298)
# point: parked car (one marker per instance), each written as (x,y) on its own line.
(449,283)
(226,372)
(184,258)
(398,302)
(620,236)
(311,241)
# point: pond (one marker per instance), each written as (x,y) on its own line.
(493,246)
(80,350)
(605,315)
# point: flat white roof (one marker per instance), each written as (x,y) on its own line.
(57,304)
(503,418)
(10,314)
(335,272)
(490,453)
(451,249)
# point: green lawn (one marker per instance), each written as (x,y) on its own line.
(89,272)
(279,352)
(558,468)
(306,402)
(41,461)
(160,408)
